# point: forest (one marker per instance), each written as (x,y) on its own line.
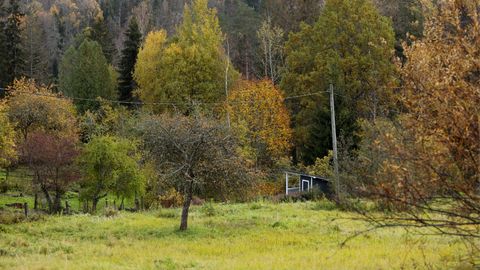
(149,115)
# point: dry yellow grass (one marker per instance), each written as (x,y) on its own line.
(239,236)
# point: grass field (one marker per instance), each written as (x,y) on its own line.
(239,236)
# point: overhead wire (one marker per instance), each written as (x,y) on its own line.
(158,103)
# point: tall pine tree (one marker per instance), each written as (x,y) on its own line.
(12,59)
(101,34)
(133,37)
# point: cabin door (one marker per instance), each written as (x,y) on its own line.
(305,185)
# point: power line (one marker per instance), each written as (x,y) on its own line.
(157,103)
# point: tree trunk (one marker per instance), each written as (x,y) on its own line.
(94,204)
(57,203)
(48,198)
(186,207)
(35,202)
(122,205)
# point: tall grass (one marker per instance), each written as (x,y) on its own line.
(240,236)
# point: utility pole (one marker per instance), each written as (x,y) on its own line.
(226,81)
(334,142)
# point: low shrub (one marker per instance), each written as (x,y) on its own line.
(313,195)
(171,199)
(13,217)
(255,206)
(208,209)
(167,213)
(110,212)
(8,217)
(324,205)
(197,201)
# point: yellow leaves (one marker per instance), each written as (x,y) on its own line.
(7,139)
(189,67)
(149,63)
(32,107)
(259,108)
(322,166)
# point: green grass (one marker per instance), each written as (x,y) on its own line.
(239,236)
(75,204)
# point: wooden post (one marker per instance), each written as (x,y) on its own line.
(115,204)
(106,202)
(25,209)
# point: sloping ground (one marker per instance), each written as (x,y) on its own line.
(240,236)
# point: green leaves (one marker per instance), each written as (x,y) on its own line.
(110,164)
(85,74)
(189,67)
(351,46)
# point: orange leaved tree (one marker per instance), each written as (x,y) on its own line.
(429,158)
(260,118)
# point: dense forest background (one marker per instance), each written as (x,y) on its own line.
(47,28)
(219,98)
(38,34)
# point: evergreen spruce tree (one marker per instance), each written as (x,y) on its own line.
(103,36)
(131,46)
(85,74)
(13,54)
(3,55)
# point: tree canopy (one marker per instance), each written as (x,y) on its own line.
(195,155)
(110,165)
(189,67)
(7,139)
(31,107)
(133,37)
(350,46)
(85,75)
(258,113)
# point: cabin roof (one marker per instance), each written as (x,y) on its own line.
(307,175)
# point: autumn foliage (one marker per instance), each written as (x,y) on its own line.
(428,159)
(258,113)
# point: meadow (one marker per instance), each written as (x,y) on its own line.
(258,235)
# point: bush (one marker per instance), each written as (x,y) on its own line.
(266,189)
(13,217)
(208,209)
(171,199)
(110,212)
(197,201)
(167,214)
(7,217)
(313,195)
(324,205)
